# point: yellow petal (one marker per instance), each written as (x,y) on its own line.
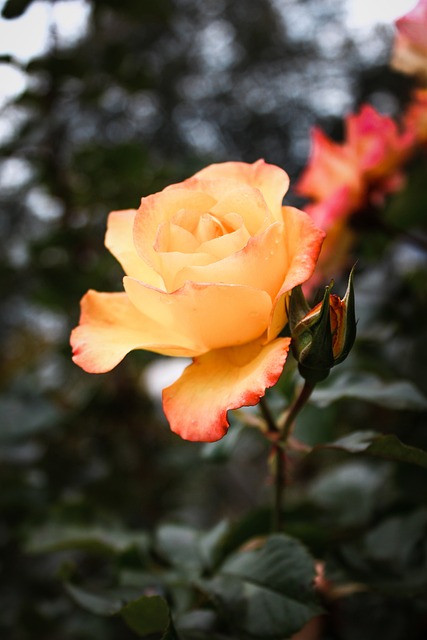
(162,207)
(119,241)
(260,264)
(211,315)
(173,262)
(249,203)
(110,327)
(225,245)
(303,244)
(272,181)
(196,404)
(173,237)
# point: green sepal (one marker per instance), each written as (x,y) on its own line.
(350,320)
(311,336)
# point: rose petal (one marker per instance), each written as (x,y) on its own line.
(303,244)
(249,203)
(162,207)
(196,404)
(272,181)
(330,166)
(119,241)
(379,146)
(110,326)
(212,316)
(227,244)
(413,26)
(261,264)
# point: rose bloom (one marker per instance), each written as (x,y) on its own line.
(410,45)
(369,158)
(343,178)
(209,263)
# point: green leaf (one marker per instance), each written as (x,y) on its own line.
(99,604)
(348,494)
(400,394)
(145,616)
(148,615)
(388,447)
(60,538)
(266,593)
(188,549)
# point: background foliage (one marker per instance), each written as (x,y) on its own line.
(100,503)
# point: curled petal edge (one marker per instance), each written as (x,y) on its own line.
(196,404)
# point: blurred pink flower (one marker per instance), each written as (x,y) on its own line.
(415,117)
(343,178)
(410,45)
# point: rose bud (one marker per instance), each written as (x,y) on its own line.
(322,337)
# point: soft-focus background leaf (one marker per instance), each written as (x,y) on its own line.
(266,592)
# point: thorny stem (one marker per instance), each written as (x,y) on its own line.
(280,435)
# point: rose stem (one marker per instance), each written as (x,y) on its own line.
(294,410)
(279,448)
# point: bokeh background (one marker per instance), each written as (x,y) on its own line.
(113,102)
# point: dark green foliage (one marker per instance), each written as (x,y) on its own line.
(111,526)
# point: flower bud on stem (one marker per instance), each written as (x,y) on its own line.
(322,337)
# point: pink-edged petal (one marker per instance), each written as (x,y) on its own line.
(261,263)
(211,315)
(304,240)
(119,241)
(303,243)
(330,166)
(110,326)
(272,181)
(196,404)
(413,26)
(377,142)
(337,207)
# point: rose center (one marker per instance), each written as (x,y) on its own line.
(188,230)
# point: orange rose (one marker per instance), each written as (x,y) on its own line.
(331,167)
(415,117)
(369,159)
(410,46)
(209,264)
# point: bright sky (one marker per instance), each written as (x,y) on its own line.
(28,36)
(367,13)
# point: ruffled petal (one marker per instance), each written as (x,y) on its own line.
(196,404)
(272,181)
(331,166)
(249,203)
(303,244)
(110,326)
(160,208)
(212,316)
(260,264)
(119,241)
